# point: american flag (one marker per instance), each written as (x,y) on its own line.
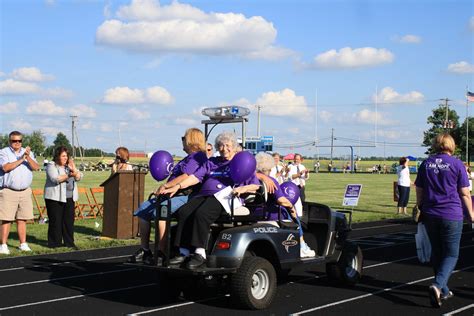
(470,96)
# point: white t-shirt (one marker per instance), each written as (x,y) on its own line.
(276,169)
(403,176)
(294,170)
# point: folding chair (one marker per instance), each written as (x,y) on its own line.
(98,206)
(84,210)
(41,208)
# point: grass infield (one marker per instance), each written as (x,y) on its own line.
(376,202)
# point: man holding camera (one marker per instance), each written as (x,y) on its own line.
(16,166)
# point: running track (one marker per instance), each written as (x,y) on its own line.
(96,282)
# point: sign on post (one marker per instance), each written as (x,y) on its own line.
(352,194)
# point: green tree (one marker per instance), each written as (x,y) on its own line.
(462,142)
(437,122)
(36,141)
(61,140)
(3,140)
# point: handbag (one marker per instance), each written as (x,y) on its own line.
(423,244)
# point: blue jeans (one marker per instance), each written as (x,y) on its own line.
(147,209)
(445,237)
(403,196)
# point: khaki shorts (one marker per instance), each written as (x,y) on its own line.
(15,205)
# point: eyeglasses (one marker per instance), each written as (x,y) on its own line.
(16,140)
(183,138)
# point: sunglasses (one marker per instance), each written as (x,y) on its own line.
(209,150)
(183,138)
(16,140)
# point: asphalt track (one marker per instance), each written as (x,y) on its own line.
(96,282)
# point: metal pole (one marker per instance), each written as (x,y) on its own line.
(332,142)
(73,117)
(467,127)
(243,133)
(258,120)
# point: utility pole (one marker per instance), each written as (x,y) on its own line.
(73,129)
(259,107)
(447,123)
(332,142)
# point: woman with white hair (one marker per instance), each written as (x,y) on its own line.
(277,199)
(196,217)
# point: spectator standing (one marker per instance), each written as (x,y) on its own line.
(17,164)
(355,167)
(317,165)
(330,166)
(278,171)
(404,182)
(441,192)
(60,195)
(298,174)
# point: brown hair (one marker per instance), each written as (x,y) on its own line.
(403,160)
(444,143)
(58,151)
(123,153)
(14,133)
(194,140)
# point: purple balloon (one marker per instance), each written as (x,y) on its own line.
(161,164)
(291,191)
(242,167)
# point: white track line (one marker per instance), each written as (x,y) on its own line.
(372,294)
(76,296)
(61,263)
(64,278)
(459,310)
(381,226)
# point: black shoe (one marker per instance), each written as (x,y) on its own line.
(151,260)
(196,261)
(177,260)
(141,255)
(447,296)
(435,299)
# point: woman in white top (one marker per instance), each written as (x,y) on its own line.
(404,183)
(121,160)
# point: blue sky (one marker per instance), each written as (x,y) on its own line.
(137,73)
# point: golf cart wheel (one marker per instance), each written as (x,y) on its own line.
(253,286)
(348,270)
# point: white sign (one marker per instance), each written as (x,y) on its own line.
(352,194)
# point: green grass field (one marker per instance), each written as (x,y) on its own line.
(376,202)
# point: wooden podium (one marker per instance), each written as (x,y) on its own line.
(123,193)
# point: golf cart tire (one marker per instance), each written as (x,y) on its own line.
(348,270)
(253,286)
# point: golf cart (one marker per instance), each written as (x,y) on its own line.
(247,253)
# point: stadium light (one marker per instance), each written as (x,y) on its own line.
(226,112)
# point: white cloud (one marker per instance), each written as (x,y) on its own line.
(87,125)
(293,130)
(105,127)
(471,23)
(325,115)
(2,74)
(352,58)
(239,102)
(51,131)
(123,95)
(58,92)
(284,103)
(15,87)
(186,121)
(30,74)
(9,107)
(388,95)
(50,2)
(83,110)
(45,107)
(462,67)
(126,95)
(136,114)
(366,116)
(20,125)
(408,39)
(158,95)
(147,26)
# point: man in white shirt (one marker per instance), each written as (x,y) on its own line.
(277,172)
(298,174)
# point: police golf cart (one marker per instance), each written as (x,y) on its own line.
(248,253)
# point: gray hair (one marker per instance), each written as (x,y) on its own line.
(265,162)
(225,137)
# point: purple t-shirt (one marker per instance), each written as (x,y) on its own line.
(218,177)
(193,164)
(441,176)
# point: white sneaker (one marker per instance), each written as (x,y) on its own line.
(4,249)
(24,247)
(307,253)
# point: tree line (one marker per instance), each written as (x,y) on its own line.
(37,142)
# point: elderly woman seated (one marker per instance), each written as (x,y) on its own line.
(196,217)
(278,202)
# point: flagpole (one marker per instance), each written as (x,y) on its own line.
(467,126)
